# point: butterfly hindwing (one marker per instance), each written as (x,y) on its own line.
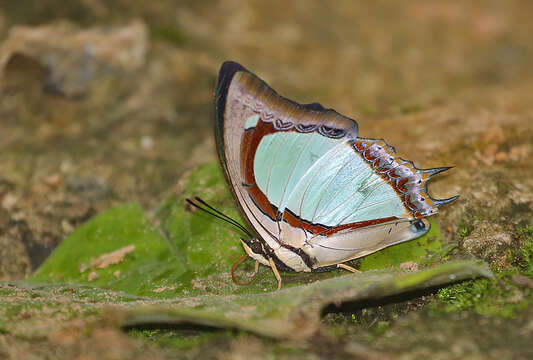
(352,244)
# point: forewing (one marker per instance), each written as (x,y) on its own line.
(257,136)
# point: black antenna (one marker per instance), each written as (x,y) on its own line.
(218,214)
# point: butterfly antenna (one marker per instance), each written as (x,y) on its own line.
(216,213)
(233,221)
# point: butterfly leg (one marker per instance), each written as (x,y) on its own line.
(275,271)
(251,276)
(347,267)
(256,270)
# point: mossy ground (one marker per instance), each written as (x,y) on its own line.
(503,296)
(445,83)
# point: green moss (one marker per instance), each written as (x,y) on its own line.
(466,295)
(5,291)
(179,339)
(487,297)
(12,310)
(408,109)
(150,266)
(380,329)
(170,33)
(498,296)
(526,230)
(20,309)
(524,255)
(421,250)
(464,229)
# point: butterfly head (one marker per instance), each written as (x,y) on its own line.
(256,249)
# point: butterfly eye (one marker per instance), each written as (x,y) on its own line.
(419,225)
(256,248)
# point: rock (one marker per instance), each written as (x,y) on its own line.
(53,180)
(14,261)
(522,281)
(409,266)
(66,59)
(88,187)
(8,201)
(92,276)
(66,226)
(147,142)
(488,241)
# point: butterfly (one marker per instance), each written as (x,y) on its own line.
(315,194)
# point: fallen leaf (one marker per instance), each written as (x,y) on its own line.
(92,276)
(107,259)
(111,258)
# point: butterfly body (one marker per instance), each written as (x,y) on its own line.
(315,193)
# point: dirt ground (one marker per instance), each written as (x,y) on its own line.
(84,128)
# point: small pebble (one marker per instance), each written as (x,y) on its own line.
(92,276)
(147,142)
(9,201)
(67,228)
(409,266)
(53,180)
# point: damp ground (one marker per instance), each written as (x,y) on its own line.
(82,131)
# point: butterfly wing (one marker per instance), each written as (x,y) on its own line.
(304,179)
(355,243)
(233,117)
(247,111)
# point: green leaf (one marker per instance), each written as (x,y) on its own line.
(149,266)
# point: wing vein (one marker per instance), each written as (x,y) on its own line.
(272,163)
(333,197)
(337,148)
(293,168)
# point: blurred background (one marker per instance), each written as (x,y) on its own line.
(106,102)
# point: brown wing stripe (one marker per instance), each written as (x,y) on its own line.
(318,229)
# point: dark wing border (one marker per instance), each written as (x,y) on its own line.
(225,75)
